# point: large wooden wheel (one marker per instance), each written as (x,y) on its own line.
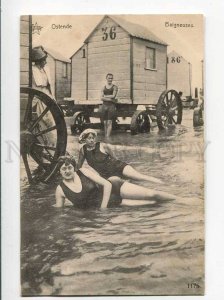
(168,109)
(81,121)
(43,134)
(140,122)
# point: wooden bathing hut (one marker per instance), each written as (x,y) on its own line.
(60,70)
(136,57)
(179,74)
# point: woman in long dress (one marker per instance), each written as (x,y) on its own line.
(41,81)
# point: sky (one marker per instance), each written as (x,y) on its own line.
(186,41)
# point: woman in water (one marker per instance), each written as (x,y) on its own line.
(100,157)
(85,189)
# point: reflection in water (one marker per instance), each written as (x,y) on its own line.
(156,249)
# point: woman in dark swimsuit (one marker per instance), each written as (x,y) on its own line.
(79,189)
(100,157)
(82,189)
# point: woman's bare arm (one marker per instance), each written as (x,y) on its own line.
(109,98)
(59,197)
(81,158)
(107,186)
(107,149)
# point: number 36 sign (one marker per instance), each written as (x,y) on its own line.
(109,33)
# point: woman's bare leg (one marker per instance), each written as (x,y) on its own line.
(109,128)
(136,192)
(105,127)
(130,172)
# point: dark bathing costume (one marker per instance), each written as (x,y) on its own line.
(108,107)
(90,195)
(103,163)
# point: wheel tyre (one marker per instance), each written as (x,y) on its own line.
(160,109)
(140,122)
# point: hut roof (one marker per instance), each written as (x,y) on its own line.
(77,50)
(57,56)
(133,29)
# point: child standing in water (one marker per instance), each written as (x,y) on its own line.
(100,157)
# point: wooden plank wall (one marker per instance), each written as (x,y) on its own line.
(178,74)
(109,56)
(148,84)
(63,84)
(24,51)
(79,75)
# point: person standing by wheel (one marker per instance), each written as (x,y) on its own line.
(108,96)
(41,74)
(41,81)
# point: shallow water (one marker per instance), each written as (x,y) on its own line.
(148,250)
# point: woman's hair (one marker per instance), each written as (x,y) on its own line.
(39,61)
(109,74)
(67,160)
(85,134)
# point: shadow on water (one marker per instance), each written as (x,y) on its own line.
(123,250)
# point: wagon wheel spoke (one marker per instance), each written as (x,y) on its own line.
(174,108)
(169,99)
(166,101)
(166,121)
(46,130)
(27,168)
(173,101)
(48,156)
(41,154)
(38,159)
(80,120)
(28,112)
(40,117)
(45,146)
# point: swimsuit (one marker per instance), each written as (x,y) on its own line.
(91,195)
(103,163)
(109,107)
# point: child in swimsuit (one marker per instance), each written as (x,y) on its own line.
(100,157)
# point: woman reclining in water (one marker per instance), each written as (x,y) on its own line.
(101,158)
(85,189)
